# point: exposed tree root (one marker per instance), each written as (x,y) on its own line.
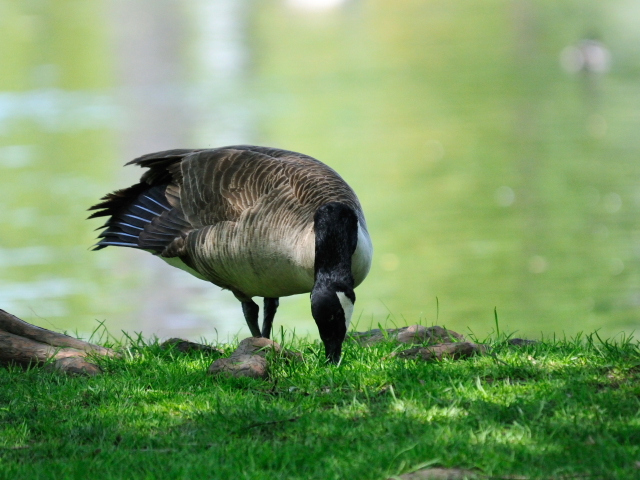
(25,344)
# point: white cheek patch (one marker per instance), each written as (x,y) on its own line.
(347,307)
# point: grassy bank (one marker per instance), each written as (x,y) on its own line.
(556,409)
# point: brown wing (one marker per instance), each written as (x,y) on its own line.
(219,185)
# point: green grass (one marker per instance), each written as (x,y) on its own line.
(550,410)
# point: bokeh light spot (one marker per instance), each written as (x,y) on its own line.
(505,196)
(590,56)
(612,202)
(538,264)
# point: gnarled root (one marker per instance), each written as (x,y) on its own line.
(25,344)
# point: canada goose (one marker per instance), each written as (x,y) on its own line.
(258,221)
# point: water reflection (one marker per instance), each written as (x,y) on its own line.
(174,98)
(56,110)
(491,173)
(315,5)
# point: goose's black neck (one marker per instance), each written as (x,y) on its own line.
(332,297)
(336,230)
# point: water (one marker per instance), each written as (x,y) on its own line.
(494,148)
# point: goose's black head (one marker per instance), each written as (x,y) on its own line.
(332,297)
(332,311)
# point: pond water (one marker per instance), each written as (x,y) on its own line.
(495,148)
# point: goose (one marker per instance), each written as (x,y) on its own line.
(258,221)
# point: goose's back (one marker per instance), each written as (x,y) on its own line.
(221,184)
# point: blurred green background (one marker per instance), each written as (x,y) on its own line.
(494,145)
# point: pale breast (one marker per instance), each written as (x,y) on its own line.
(362,257)
(269,264)
(263,266)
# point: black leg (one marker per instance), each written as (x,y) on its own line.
(270,309)
(250,310)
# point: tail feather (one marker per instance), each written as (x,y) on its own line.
(147,215)
(141,217)
(128,228)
